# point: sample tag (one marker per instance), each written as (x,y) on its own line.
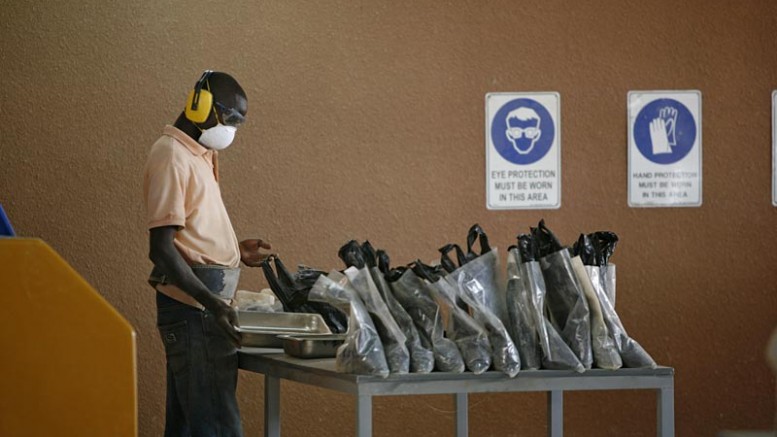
(664,149)
(523,156)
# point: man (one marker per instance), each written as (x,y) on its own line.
(196,259)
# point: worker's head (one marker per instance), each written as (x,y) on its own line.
(216,107)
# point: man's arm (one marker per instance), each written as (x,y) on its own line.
(165,256)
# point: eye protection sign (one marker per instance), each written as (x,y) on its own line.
(664,151)
(523,157)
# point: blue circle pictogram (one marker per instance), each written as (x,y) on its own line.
(664,131)
(522,131)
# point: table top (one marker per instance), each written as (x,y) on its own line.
(321,372)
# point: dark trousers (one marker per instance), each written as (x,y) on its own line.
(201,373)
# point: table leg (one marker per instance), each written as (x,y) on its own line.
(364,416)
(272,406)
(461,414)
(666,412)
(555,413)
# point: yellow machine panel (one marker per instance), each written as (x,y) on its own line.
(67,357)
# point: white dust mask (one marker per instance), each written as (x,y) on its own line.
(219,137)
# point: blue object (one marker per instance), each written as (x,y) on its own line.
(6,230)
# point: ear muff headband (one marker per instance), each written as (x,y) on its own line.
(200,101)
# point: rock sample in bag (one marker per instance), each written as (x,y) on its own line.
(556,355)
(391,335)
(476,283)
(362,351)
(421,357)
(595,250)
(565,302)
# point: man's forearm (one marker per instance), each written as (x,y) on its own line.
(178,272)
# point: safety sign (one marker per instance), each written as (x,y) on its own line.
(664,151)
(774,148)
(523,156)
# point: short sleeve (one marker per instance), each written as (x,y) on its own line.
(165,192)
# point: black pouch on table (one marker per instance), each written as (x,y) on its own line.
(293,293)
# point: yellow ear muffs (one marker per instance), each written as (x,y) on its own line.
(200,101)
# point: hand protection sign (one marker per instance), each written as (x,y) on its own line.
(664,148)
(664,131)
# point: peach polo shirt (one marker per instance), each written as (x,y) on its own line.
(181,188)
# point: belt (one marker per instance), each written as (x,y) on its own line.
(220,280)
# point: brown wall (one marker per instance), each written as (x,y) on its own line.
(366,121)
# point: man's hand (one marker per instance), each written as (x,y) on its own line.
(226,319)
(253,252)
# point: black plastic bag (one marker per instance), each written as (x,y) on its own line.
(595,249)
(293,292)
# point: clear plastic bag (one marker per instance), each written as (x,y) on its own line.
(595,250)
(475,284)
(262,302)
(483,267)
(522,315)
(391,335)
(421,358)
(605,352)
(362,351)
(556,355)
(416,299)
(567,307)
(631,352)
(469,335)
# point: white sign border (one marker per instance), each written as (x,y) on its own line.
(774,148)
(558,142)
(629,129)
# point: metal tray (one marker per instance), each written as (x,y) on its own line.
(312,345)
(262,329)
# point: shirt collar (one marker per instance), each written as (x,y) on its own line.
(194,147)
(188,142)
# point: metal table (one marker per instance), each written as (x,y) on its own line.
(321,373)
